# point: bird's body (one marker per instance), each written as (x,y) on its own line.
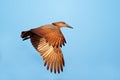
(48,40)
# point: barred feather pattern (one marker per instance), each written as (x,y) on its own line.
(52,55)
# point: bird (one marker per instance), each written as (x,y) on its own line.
(48,41)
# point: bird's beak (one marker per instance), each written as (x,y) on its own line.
(69,26)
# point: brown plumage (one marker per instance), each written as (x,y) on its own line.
(48,40)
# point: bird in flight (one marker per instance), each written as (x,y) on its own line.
(48,41)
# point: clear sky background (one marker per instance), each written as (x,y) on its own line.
(92,51)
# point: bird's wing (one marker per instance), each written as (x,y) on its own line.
(52,56)
(52,35)
(55,38)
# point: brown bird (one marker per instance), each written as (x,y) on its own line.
(48,40)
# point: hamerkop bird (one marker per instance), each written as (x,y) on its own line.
(48,40)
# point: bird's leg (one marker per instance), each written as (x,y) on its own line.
(26,38)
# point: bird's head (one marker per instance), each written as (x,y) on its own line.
(61,24)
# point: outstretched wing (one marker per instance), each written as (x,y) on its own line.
(52,56)
(52,35)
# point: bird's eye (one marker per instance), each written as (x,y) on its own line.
(53,23)
(63,22)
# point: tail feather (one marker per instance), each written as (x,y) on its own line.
(25,35)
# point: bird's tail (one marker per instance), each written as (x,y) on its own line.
(25,35)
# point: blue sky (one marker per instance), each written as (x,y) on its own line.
(92,51)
